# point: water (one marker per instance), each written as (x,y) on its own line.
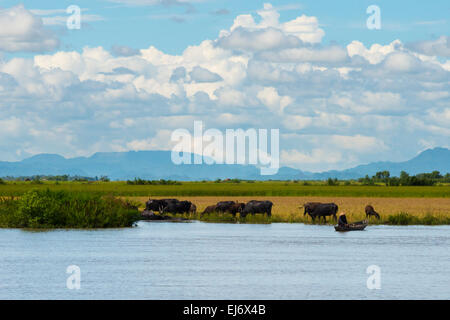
(226,261)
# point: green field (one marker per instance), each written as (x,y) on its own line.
(268,188)
(396,205)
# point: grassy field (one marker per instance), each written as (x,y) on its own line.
(286,209)
(397,205)
(266,189)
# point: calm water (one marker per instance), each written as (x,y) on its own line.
(226,261)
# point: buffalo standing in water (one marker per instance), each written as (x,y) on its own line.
(309,207)
(370,211)
(229,207)
(236,208)
(158,205)
(224,206)
(253,207)
(323,210)
(209,209)
(178,207)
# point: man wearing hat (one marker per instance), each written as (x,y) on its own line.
(342,220)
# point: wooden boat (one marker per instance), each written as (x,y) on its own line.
(357,226)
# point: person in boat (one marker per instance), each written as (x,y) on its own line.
(342,220)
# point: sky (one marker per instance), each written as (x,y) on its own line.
(341,94)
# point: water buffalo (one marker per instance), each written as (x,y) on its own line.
(177,207)
(370,211)
(324,210)
(254,206)
(309,207)
(150,215)
(236,208)
(158,205)
(209,209)
(224,206)
(193,209)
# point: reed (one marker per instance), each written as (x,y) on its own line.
(62,209)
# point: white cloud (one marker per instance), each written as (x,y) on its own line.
(246,34)
(22,31)
(376,53)
(401,62)
(358,143)
(335,106)
(300,159)
(438,47)
(161,141)
(199,74)
(329,54)
(271,99)
(261,39)
(59,17)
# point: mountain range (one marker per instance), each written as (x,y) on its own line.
(155,165)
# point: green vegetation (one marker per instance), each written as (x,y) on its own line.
(402,219)
(256,188)
(141,182)
(405,219)
(421,179)
(62,209)
(77,202)
(64,177)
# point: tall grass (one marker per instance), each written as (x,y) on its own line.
(257,188)
(62,209)
(404,219)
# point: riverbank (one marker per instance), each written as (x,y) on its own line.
(400,219)
(52,208)
(393,211)
(48,209)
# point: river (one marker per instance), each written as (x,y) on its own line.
(227,261)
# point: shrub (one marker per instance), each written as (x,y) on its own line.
(332,182)
(62,209)
(402,218)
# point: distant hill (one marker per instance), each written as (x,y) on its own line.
(427,161)
(155,165)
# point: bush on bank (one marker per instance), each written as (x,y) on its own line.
(62,209)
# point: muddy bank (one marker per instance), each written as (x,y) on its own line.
(148,215)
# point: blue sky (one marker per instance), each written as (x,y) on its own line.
(340,94)
(172,28)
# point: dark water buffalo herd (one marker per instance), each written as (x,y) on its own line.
(323,210)
(313,209)
(175,206)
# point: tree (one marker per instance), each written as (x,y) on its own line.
(405,178)
(332,182)
(383,176)
(436,175)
